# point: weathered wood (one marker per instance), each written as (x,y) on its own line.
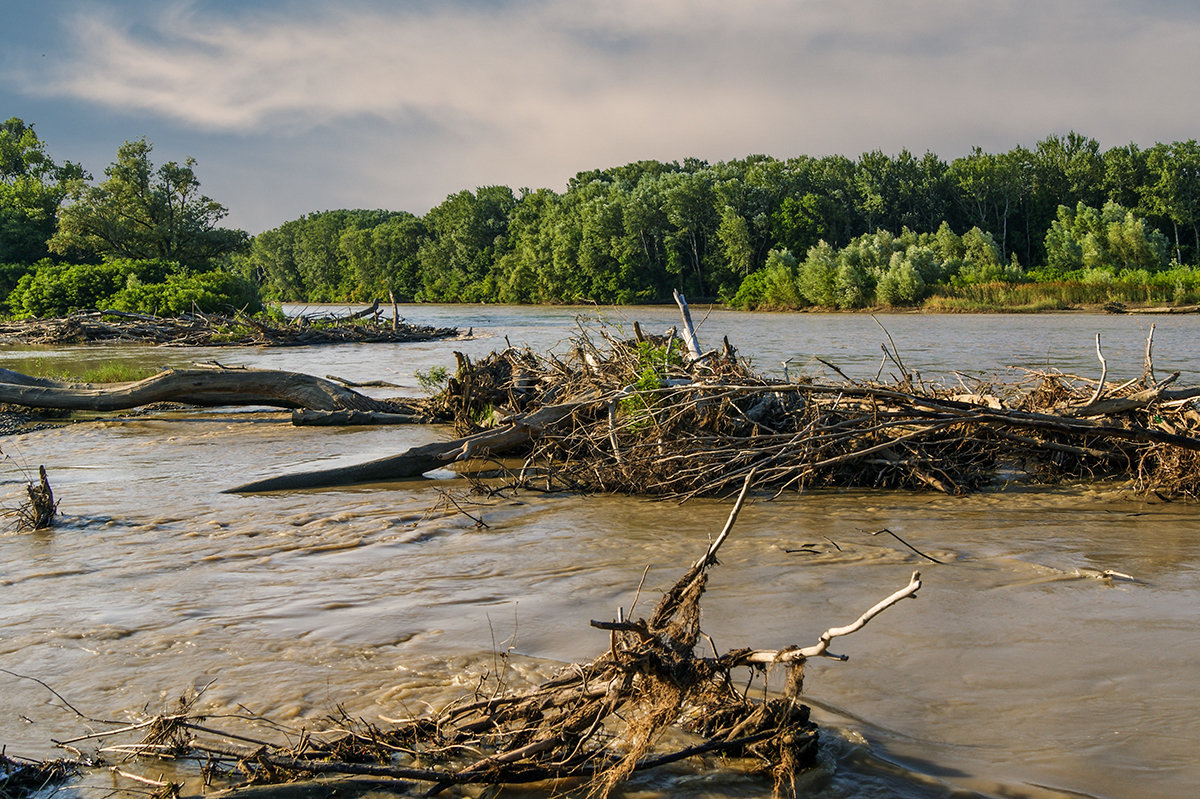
(363,314)
(1139,399)
(689,330)
(304,417)
(42,506)
(417,461)
(204,387)
(211,330)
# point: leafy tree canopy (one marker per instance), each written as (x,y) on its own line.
(141,212)
(32,186)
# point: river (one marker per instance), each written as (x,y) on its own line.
(1016,673)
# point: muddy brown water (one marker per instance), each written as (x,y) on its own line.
(1019,671)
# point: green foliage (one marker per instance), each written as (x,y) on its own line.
(32,187)
(1177,286)
(1110,239)
(817,278)
(433,379)
(88,370)
(11,274)
(61,289)
(183,292)
(141,212)
(902,283)
(651,367)
(468,234)
(143,286)
(632,233)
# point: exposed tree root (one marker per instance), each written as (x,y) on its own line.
(42,507)
(588,729)
(39,510)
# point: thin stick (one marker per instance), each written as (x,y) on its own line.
(910,546)
(711,555)
(820,649)
(834,368)
(895,353)
(71,707)
(144,780)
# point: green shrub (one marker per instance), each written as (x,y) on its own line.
(141,286)
(180,293)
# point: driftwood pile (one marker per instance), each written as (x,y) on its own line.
(654,415)
(21,778)
(649,700)
(680,426)
(212,330)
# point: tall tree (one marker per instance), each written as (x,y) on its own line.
(689,202)
(1175,189)
(32,187)
(467,235)
(143,212)
(990,190)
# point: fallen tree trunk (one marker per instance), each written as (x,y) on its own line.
(206,387)
(417,461)
(304,417)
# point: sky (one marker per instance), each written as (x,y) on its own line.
(295,106)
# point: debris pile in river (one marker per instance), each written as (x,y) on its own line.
(594,724)
(653,416)
(212,330)
(20,778)
(38,511)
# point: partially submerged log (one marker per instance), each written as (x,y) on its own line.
(204,387)
(303,417)
(419,460)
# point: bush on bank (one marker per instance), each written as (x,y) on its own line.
(158,287)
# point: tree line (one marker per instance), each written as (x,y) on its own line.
(756,232)
(633,233)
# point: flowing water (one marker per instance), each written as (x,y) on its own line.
(1018,672)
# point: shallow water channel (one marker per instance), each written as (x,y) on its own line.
(1017,672)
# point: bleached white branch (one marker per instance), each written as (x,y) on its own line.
(821,648)
(1103,372)
(689,330)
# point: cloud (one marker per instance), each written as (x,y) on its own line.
(526,92)
(699,72)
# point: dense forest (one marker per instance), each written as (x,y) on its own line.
(1059,224)
(764,232)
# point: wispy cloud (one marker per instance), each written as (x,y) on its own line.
(653,71)
(529,91)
